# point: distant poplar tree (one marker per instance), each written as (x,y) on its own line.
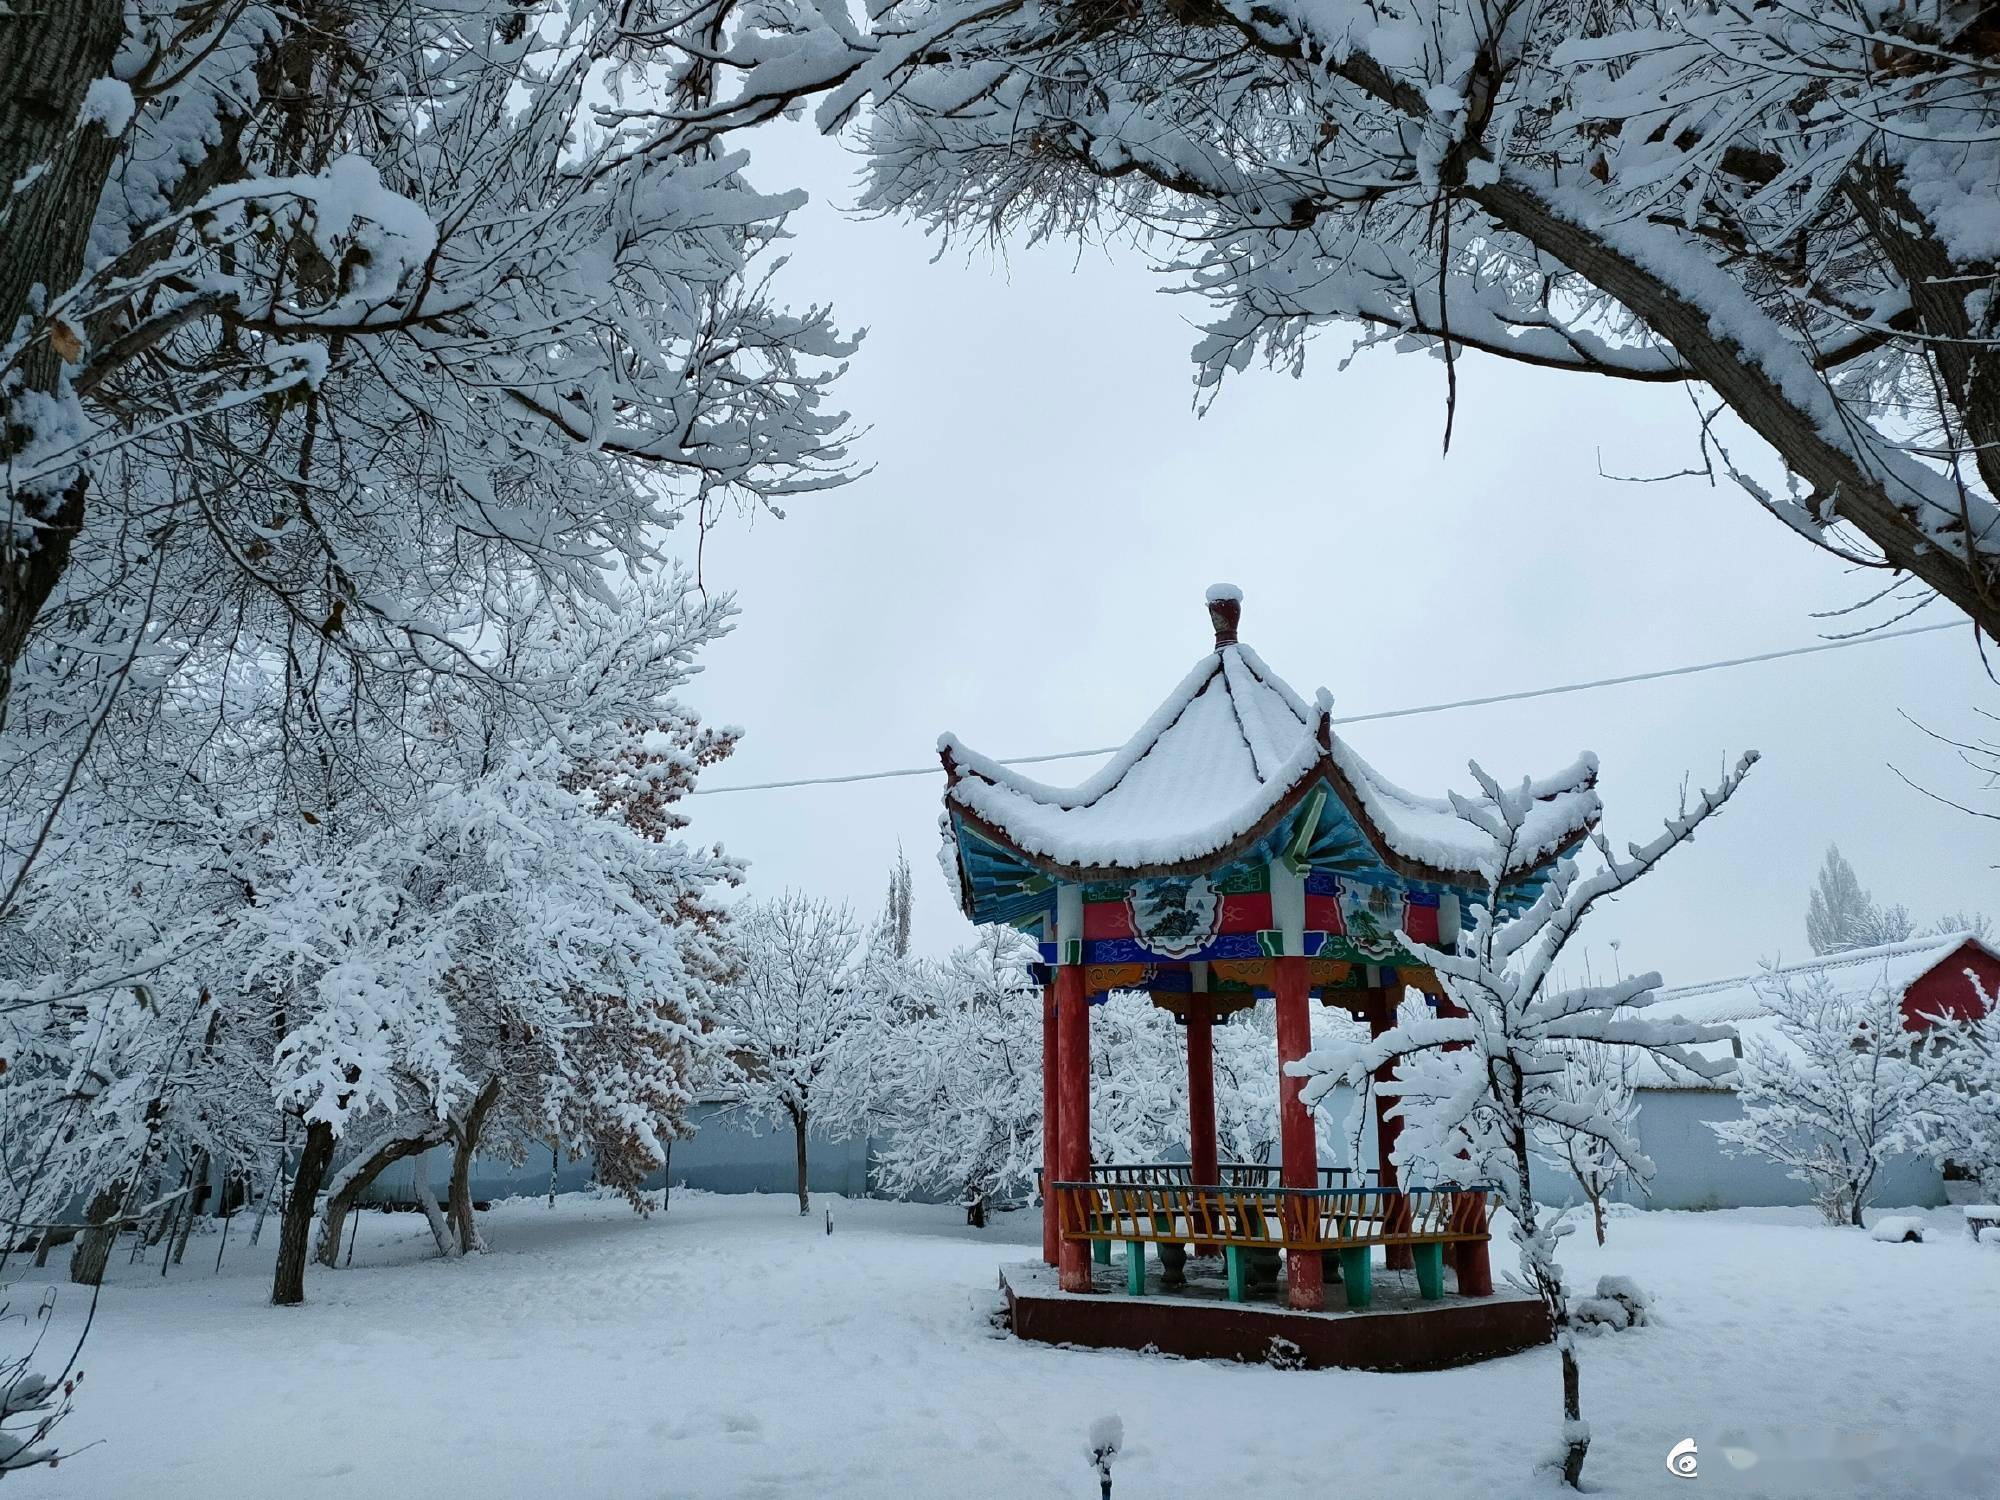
(1841,915)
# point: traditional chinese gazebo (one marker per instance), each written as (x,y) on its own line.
(1235,848)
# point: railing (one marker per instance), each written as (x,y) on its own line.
(1147,1204)
(1232,1174)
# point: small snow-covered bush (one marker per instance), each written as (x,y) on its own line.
(1898,1229)
(1618,1304)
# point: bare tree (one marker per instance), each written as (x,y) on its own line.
(801,1016)
(1599,1083)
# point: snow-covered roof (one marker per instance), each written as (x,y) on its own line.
(1743,1001)
(1229,752)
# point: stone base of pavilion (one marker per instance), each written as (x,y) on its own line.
(1398,1331)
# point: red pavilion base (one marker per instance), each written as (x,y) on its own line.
(1198,1322)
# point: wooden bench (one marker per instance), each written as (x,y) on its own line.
(1142,1206)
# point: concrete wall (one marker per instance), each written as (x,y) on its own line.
(1691,1170)
(726,1155)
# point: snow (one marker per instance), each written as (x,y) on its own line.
(729,1349)
(1225,748)
(1224,593)
(1897,1229)
(1429,829)
(107,102)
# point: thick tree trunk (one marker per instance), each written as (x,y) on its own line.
(799,1136)
(93,1246)
(465,1141)
(49,55)
(355,1178)
(288,1285)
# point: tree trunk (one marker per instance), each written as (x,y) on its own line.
(93,1246)
(168,1216)
(1576,1437)
(355,1178)
(197,1201)
(1547,1274)
(270,1189)
(49,55)
(799,1136)
(427,1200)
(465,1141)
(288,1285)
(975,1209)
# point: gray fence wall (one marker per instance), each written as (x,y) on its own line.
(1693,1171)
(727,1154)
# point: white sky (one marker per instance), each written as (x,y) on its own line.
(1025,567)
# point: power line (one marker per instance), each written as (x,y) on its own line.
(1387,713)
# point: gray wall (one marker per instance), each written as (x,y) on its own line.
(1691,1170)
(728,1154)
(724,1156)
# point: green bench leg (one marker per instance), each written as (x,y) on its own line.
(1430,1271)
(1357,1270)
(1135,1267)
(1239,1272)
(1100,1251)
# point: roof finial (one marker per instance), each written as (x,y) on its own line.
(1225,608)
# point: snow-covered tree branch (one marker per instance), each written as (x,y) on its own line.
(1790,204)
(1477,1088)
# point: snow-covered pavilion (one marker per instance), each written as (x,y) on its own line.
(1237,848)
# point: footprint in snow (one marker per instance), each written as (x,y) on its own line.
(744,1426)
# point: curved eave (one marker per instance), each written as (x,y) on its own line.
(1323,769)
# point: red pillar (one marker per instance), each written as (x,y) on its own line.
(1381,1016)
(1051,1125)
(1299,1158)
(1468,1211)
(1203,1167)
(1073,1109)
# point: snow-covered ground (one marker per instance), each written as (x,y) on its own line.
(730,1348)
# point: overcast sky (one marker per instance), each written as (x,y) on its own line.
(1025,567)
